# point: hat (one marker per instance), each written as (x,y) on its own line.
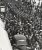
(20,39)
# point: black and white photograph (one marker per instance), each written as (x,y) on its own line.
(20,24)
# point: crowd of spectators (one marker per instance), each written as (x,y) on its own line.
(28,24)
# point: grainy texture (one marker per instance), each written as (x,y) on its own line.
(25,18)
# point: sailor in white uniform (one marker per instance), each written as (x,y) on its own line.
(4,40)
